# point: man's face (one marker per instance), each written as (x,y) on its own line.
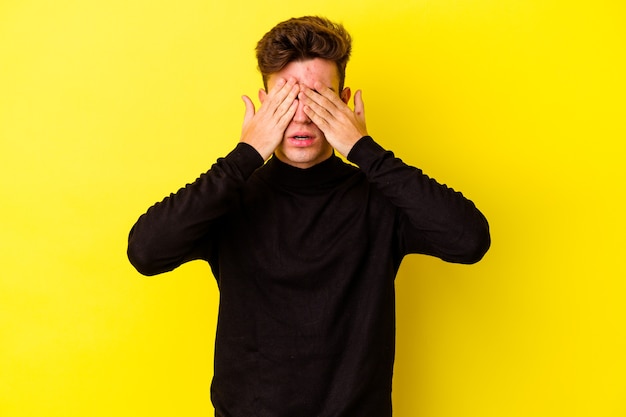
(304,144)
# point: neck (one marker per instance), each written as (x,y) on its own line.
(308,180)
(304,164)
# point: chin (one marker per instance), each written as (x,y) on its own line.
(303,157)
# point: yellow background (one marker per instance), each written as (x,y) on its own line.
(106,106)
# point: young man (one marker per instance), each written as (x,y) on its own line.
(305,247)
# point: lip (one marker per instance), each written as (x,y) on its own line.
(301,133)
(301,139)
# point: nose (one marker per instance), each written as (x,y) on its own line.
(300,116)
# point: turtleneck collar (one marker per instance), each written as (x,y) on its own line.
(321,176)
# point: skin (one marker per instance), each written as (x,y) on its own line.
(302,116)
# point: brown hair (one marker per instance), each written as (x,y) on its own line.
(304,38)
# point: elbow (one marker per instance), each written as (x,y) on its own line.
(142,256)
(470,246)
(476,250)
(476,243)
(141,260)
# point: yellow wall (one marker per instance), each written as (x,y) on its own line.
(107,106)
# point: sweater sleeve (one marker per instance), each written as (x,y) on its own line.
(179,228)
(433,218)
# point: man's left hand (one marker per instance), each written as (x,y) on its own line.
(342,126)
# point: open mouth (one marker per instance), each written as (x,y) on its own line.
(301,139)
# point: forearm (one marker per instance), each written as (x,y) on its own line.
(168,234)
(437,220)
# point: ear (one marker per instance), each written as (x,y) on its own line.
(345,95)
(262,95)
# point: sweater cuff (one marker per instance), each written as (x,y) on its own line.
(365,152)
(245,158)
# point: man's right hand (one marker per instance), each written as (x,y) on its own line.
(264,130)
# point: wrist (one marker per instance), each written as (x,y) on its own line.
(262,149)
(346,147)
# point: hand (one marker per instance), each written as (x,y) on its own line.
(264,130)
(341,126)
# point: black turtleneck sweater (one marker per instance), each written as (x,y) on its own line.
(305,260)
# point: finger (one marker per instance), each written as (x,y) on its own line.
(329,94)
(317,102)
(312,95)
(316,105)
(318,115)
(359,106)
(250,110)
(281,97)
(271,94)
(280,90)
(289,114)
(289,100)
